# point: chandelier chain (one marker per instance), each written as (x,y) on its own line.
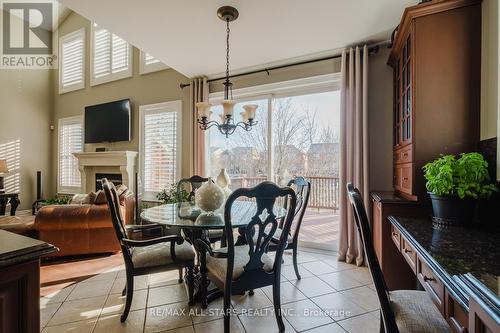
(228,30)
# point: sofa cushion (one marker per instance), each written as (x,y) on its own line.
(100,198)
(23,225)
(121,189)
(83,199)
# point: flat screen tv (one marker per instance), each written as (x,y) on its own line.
(108,122)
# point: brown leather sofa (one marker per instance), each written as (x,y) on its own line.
(82,229)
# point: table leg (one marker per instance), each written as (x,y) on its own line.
(199,274)
(14,202)
(203,279)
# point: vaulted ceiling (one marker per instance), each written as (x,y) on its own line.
(188,36)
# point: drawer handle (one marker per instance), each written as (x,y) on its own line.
(405,154)
(407,250)
(426,278)
(405,178)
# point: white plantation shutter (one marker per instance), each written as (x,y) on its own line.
(150,60)
(119,55)
(160,156)
(102,52)
(72,61)
(70,141)
(111,56)
(150,64)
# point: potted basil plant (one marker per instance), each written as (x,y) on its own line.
(456,185)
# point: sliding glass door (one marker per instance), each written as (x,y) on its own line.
(297,135)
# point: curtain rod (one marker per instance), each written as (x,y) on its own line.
(371,49)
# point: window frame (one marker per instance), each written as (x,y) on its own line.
(271,91)
(72,35)
(146,69)
(170,106)
(112,76)
(62,189)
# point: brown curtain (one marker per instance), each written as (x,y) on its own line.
(353,148)
(198,93)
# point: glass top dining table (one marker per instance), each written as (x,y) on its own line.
(187,215)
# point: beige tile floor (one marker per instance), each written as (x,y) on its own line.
(331,297)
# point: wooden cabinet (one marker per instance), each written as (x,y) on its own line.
(436,60)
(480,321)
(455,315)
(431,284)
(386,239)
(20,282)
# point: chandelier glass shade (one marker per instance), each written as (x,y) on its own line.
(226,124)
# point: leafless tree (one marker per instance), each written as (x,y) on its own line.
(295,128)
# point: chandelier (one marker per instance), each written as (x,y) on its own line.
(226,125)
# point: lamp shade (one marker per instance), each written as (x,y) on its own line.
(3,166)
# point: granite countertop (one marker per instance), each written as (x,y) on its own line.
(390,197)
(16,248)
(459,250)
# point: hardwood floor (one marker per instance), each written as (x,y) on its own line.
(56,274)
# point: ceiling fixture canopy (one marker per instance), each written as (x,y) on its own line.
(227,126)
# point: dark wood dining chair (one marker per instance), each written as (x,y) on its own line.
(143,257)
(238,269)
(409,311)
(302,190)
(192,184)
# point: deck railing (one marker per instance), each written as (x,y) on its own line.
(324,190)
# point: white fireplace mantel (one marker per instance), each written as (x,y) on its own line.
(123,162)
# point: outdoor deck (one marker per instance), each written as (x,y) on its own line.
(320,226)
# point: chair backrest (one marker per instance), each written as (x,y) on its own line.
(376,273)
(302,190)
(116,216)
(194,182)
(265,195)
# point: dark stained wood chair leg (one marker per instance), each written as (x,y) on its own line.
(130,294)
(227,312)
(180,275)
(190,281)
(295,265)
(277,306)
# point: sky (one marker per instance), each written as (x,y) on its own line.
(326,104)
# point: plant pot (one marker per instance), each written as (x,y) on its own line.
(452,211)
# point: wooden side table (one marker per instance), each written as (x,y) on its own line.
(13,199)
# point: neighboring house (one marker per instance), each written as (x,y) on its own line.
(238,161)
(323,160)
(289,160)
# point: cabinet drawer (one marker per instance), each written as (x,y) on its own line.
(431,284)
(409,254)
(403,155)
(455,315)
(404,178)
(396,237)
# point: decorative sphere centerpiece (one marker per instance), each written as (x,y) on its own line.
(209,197)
